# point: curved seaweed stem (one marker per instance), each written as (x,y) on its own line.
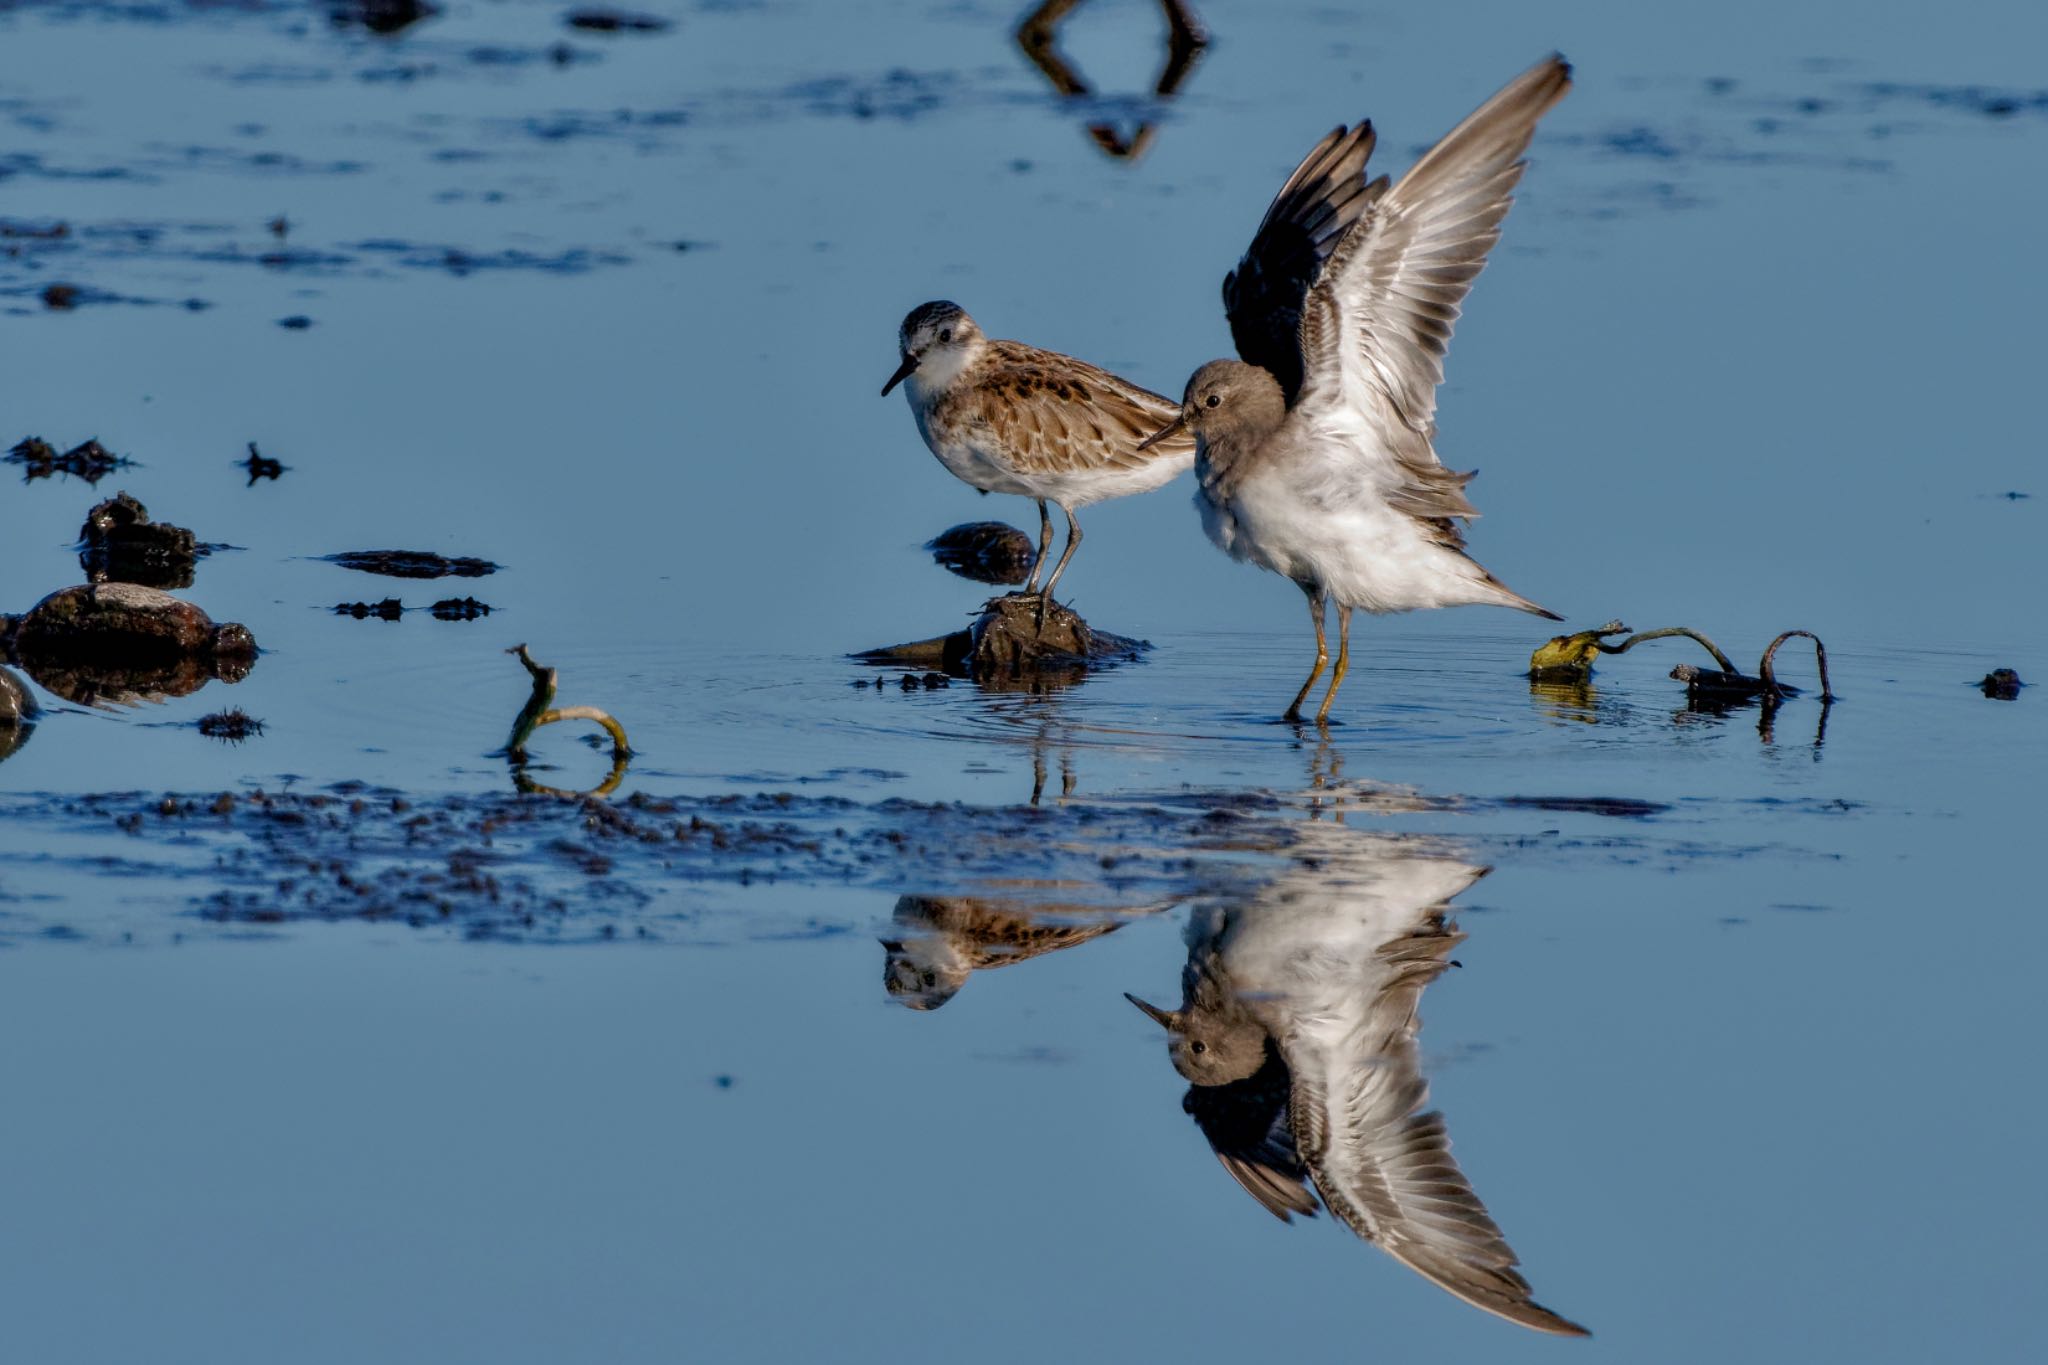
(536,705)
(1727,666)
(620,749)
(528,786)
(537,712)
(1820,654)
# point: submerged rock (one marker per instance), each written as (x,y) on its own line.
(17,703)
(1008,647)
(985,551)
(2001,684)
(125,618)
(121,543)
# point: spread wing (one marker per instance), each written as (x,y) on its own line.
(1382,1168)
(1320,202)
(1377,322)
(1058,414)
(1247,1127)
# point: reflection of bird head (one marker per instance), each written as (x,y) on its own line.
(1211,1042)
(923,972)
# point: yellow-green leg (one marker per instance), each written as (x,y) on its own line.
(1343,661)
(1315,611)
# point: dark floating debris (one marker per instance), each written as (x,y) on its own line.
(297,322)
(231,726)
(259,465)
(121,642)
(2001,684)
(89,460)
(600,20)
(60,297)
(2014,495)
(24,229)
(119,543)
(411,564)
(540,710)
(985,551)
(279,226)
(459,609)
(1569,659)
(1008,646)
(390,609)
(378,16)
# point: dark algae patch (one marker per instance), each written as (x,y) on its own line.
(411,564)
(231,726)
(600,20)
(545,866)
(88,460)
(390,609)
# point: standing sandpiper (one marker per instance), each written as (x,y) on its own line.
(1297,1033)
(1316,457)
(1010,418)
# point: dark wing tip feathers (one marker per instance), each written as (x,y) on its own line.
(1322,199)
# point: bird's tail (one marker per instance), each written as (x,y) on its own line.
(1507,597)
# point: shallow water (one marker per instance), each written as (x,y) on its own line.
(1744,1007)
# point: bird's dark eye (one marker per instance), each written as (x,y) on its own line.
(945,334)
(1198,1046)
(1212,400)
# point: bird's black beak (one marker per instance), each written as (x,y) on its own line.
(1156,437)
(1166,1019)
(903,372)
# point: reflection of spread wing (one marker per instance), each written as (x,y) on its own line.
(1246,1125)
(1386,1170)
(1314,209)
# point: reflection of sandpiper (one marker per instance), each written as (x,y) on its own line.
(1038,35)
(1011,418)
(1297,1032)
(940,941)
(1317,457)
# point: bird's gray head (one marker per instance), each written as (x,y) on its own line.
(1209,1046)
(1228,399)
(922,972)
(936,339)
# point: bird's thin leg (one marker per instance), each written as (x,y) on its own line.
(1073,539)
(1315,612)
(1044,549)
(1343,661)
